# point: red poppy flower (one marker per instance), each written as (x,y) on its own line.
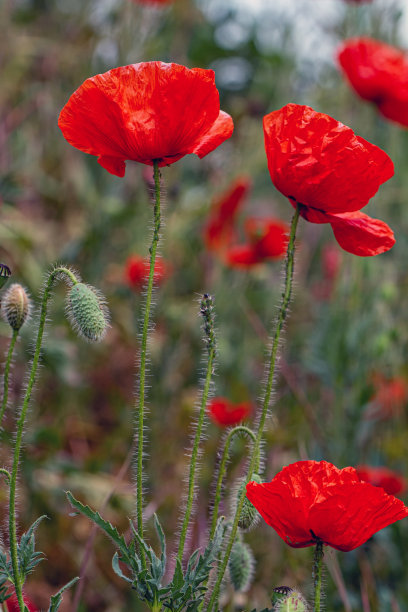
(145,112)
(224,413)
(392,482)
(330,173)
(389,399)
(219,230)
(12,604)
(267,239)
(137,271)
(313,500)
(379,74)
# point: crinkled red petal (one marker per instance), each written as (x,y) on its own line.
(220,130)
(361,235)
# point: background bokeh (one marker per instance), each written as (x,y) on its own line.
(346,340)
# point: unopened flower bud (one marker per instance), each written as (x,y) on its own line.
(87,312)
(249,514)
(15,306)
(241,566)
(5,274)
(293,601)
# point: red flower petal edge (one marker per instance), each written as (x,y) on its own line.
(145,112)
(311,500)
(225,413)
(379,476)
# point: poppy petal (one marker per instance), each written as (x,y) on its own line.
(220,130)
(242,256)
(114,165)
(362,235)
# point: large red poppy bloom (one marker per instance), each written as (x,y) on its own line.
(379,74)
(313,500)
(225,413)
(379,476)
(330,173)
(267,238)
(146,112)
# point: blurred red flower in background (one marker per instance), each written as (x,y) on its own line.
(225,413)
(322,166)
(390,397)
(379,74)
(392,482)
(12,604)
(267,239)
(137,271)
(219,230)
(145,112)
(311,500)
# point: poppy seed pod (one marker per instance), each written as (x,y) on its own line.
(87,312)
(16,306)
(241,566)
(249,514)
(294,602)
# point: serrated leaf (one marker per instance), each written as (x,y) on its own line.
(117,570)
(56,599)
(28,559)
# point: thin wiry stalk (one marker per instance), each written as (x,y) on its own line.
(286,296)
(143,352)
(7,374)
(317,575)
(56,273)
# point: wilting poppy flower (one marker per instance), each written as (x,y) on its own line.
(224,413)
(313,500)
(137,271)
(145,112)
(12,604)
(330,173)
(219,230)
(267,239)
(392,482)
(379,74)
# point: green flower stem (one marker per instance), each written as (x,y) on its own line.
(143,351)
(6,474)
(194,454)
(286,296)
(223,467)
(317,575)
(57,272)
(7,374)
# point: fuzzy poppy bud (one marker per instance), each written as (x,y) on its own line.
(87,312)
(15,306)
(5,274)
(249,514)
(241,566)
(293,602)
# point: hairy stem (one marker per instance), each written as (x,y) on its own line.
(317,575)
(143,351)
(286,296)
(7,374)
(240,429)
(194,454)
(18,578)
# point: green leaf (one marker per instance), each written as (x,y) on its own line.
(117,570)
(56,599)
(28,559)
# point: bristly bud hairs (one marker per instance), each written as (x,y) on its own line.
(15,306)
(249,514)
(286,599)
(207,312)
(241,566)
(5,274)
(86,308)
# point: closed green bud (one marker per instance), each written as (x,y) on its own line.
(249,514)
(292,602)
(87,312)
(15,306)
(241,566)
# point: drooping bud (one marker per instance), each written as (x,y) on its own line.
(5,274)
(241,566)
(207,312)
(249,514)
(289,600)
(87,311)
(15,306)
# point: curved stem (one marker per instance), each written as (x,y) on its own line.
(194,455)
(6,474)
(223,468)
(286,296)
(60,270)
(143,351)
(317,575)
(7,374)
